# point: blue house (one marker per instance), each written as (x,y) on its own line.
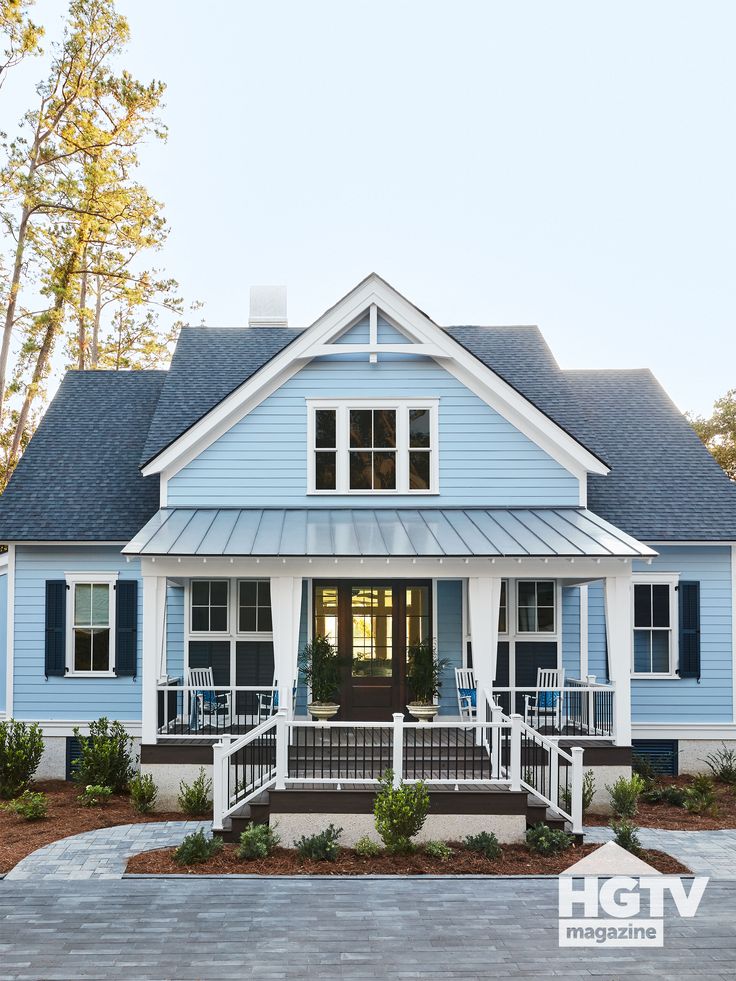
(562,538)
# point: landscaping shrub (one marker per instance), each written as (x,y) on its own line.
(722,764)
(196,849)
(438,849)
(625,795)
(644,769)
(400,812)
(143,793)
(700,796)
(95,795)
(672,794)
(258,841)
(485,842)
(31,806)
(195,799)
(322,847)
(588,793)
(626,835)
(367,848)
(105,757)
(543,840)
(21,749)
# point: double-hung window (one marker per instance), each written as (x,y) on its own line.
(209,605)
(655,616)
(91,625)
(254,606)
(535,606)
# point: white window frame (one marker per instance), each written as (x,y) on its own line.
(74,579)
(217,634)
(402,406)
(507,631)
(671,579)
(250,634)
(542,634)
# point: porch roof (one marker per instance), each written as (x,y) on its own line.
(384,532)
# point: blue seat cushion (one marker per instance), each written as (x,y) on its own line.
(210,697)
(547,699)
(470,693)
(275,702)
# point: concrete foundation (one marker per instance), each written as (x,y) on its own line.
(605,776)
(692,753)
(168,779)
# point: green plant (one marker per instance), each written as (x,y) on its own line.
(31,806)
(438,849)
(400,812)
(195,798)
(543,840)
(722,764)
(367,848)
(196,849)
(322,847)
(95,795)
(588,793)
(258,841)
(105,758)
(700,796)
(657,794)
(626,835)
(21,749)
(143,793)
(643,768)
(321,666)
(625,795)
(485,843)
(424,672)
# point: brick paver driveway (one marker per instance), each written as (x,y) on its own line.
(332,928)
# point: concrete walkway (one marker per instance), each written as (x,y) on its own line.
(102,854)
(710,853)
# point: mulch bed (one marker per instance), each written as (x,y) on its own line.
(516,860)
(677,818)
(66,816)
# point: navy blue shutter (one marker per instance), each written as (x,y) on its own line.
(126,628)
(55,650)
(689,602)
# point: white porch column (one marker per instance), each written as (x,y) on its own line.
(286,606)
(154,606)
(619,634)
(484,600)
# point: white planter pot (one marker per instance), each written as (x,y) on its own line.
(423,713)
(322,711)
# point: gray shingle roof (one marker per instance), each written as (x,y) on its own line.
(79,478)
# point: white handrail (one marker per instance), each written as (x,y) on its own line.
(223,802)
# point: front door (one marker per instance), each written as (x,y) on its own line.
(373,624)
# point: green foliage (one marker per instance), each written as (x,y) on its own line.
(424,672)
(367,848)
(105,756)
(658,794)
(588,793)
(643,768)
(31,806)
(21,749)
(322,847)
(196,849)
(542,840)
(718,431)
(321,668)
(195,799)
(258,841)
(722,764)
(700,796)
(400,812)
(438,849)
(485,843)
(143,793)
(95,795)
(625,795)
(626,835)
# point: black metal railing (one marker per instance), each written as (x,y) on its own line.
(328,752)
(251,767)
(210,713)
(569,711)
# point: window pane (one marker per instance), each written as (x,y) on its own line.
(101,650)
(660,650)
(418,427)
(200,618)
(419,471)
(503,608)
(200,593)
(325,598)
(82,650)
(248,593)
(546,593)
(660,606)
(546,619)
(247,618)
(218,593)
(527,619)
(264,593)
(642,662)
(360,471)
(417,601)
(360,427)
(325,430)
(325,470)
(384,427)
(100,605)
(384,471)
(218,618)
(83,603)
(264,618)
(527,594)
(642,606)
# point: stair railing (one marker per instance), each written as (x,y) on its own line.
(246,766)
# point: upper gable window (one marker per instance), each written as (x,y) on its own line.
(373,447)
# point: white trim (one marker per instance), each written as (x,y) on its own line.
(65,727)
(538,634)
(683,730)
(733,630)
(10,636)
(417,326)
(210,634)
(584,639)
(670,579)
(74,579)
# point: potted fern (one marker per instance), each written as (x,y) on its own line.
(320,666)
(424,676)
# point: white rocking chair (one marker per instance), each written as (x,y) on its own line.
(466,694)
(546,703)
(208,703)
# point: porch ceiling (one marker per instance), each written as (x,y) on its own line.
(384,532)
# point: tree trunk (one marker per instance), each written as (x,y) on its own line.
(12,302)
(83,315)
(94,351)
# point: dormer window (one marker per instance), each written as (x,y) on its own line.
(373,447)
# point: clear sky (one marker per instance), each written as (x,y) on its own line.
(569,164)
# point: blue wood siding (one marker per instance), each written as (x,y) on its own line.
(3,639)
(388,334)
(449,622)
(262,459)
(571,631)
(359,333)
(72,699)
(175,631)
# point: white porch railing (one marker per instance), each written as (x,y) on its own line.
(580,708)
(188,711)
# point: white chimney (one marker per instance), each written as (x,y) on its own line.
(268,306)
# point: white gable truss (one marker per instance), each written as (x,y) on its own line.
(370,296)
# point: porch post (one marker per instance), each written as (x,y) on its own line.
(619,634)
(286,606)
(484,600)
(153,637)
